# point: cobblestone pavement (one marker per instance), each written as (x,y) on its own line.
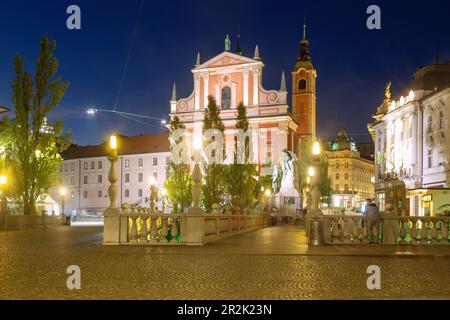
(33,266)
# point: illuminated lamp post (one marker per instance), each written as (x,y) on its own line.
(112,176)
(196,177)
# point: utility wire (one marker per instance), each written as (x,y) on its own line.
(129,55)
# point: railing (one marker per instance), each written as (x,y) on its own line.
(10,222)
(137,225)
(340,229)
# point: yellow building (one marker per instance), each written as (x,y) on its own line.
(350,175)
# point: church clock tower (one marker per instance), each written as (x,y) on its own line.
(304,92)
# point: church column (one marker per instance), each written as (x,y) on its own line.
(233,95)
(217,93)
(205,89)
(256,86)
(197,91)
(245,89)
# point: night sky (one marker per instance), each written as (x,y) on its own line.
(353,63)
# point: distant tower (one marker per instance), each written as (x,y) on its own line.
(304,92)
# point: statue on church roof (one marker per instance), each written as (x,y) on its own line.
(387,92)
(227,43)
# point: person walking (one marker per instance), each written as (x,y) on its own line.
(373,220)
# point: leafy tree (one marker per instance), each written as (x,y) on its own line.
(240,177)
(214,173)
(179,182)
(35,143)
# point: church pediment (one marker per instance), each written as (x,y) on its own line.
(225,59)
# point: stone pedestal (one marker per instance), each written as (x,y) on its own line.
(112,226)
(194,228)
(390,228)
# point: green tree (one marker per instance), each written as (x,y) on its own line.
(214,173)
(36,143)
(240,177)
(179,182)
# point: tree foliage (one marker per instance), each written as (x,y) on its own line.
(214,186)
(35,144)
(240,177)
(179,182)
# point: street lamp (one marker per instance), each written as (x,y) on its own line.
(316,148)
(153,192)
(62,194)
(196,176)
(112,176)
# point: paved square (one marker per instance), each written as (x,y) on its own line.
(257,265)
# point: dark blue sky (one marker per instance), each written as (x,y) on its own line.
(353,62)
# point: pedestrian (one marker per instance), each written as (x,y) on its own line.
(373,220)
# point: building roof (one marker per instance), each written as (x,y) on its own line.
(148,143)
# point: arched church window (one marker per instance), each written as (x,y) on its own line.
(302,84)
(226,98)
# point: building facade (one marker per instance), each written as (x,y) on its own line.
(84,173)
(232,78)
(351,175)
(411,142)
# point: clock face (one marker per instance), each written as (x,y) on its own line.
(226,78)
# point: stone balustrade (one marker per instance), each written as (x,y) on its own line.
(137,225)
(392,230)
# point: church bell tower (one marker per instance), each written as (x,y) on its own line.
(304,78)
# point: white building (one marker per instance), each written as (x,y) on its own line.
(411,135)
(85,173)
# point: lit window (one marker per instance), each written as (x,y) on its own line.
(226,98)
(127,163)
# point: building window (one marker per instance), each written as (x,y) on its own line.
(441,120)
(155,176)
(100,178)
(302,84)
(66,167)
(127,177)
(85,194)
(92,165)
(336,187)
(141,162)
(430,158)
(85,179)
(155,161)
(337,165)
(127,163)
(100,165)
(72,180)
(226,98)
(127,193)
(337,176)
(140,193)
(167,160)
(346,188)
(346,176)
(346,165)
(99,193)
(85,165)
(72,166)
(140,177)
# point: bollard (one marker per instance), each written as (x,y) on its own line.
(315,232)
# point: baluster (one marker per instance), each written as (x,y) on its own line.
(413,232)
(164,228)
(403,232)
(444,231)
(346,230)
(175,228)
(355,230)
(133,230)
(365,231)
(334,230)
(144,230)
(424,232)
(154,229)
(433,231)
